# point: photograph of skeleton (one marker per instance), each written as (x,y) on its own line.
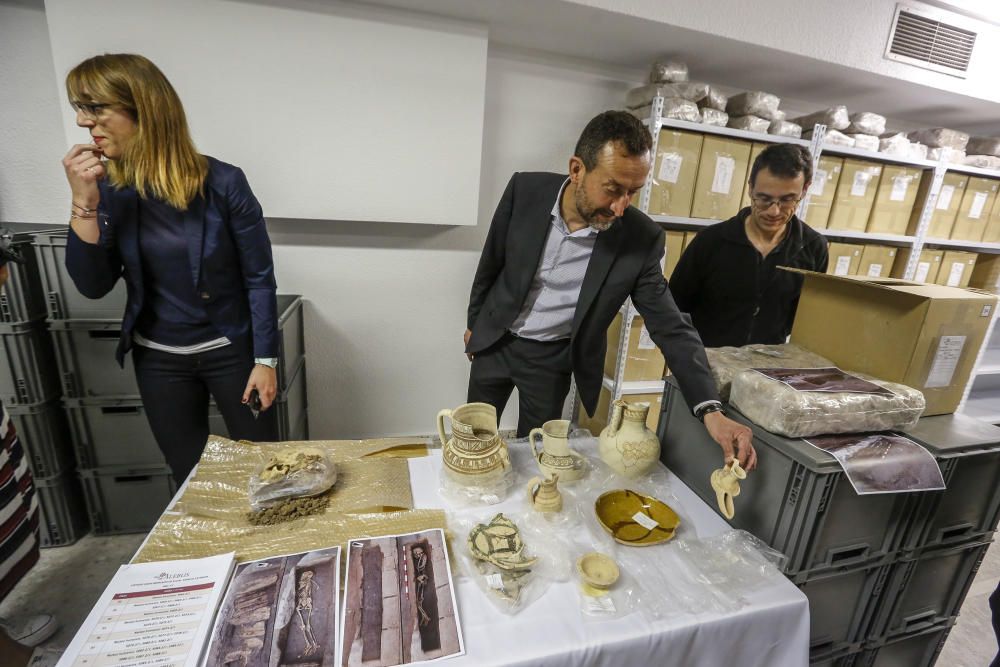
(280,612)
(399,601)
(882,462)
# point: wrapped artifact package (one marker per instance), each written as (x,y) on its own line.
(983,161)
(949,155)
(670,71)
(643,95)
(941,137)
(835,118)
(785,128)
(295,472)
(866,122)
(866,142)
(749,123)
(753,103)
(832,138)
(779,115)
(728,362)
(713,100)
(918,151)
(714,117)
(983,146)
(799,403)
(676,108)
(895,144)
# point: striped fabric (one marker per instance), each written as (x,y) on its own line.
(19,514)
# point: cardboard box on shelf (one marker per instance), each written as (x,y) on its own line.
(956,268)
(722,173)
(986,273)
(675,172)
(928,265)
(756,149)
(924,336)
(974,211)
(845,259)
(855,195)
(821,192)
(672,252)
(877,261)
(894,199)
(992,233)
(945,208)
(643,360)
(599,421)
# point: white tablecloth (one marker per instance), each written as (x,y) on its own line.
(771,631)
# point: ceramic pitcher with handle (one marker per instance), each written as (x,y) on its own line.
(627,444)
(475,451)
(555,457)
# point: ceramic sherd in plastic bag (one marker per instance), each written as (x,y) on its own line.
(941,137)
(835,118)
(866,122)
(754,103)
(293,473)
(668,71)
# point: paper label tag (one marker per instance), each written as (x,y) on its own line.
(899,187)
(944,197)
(494,581)
(875,271)
(644,520)
(843,265)
(923,268)
(818,184)
(722,182)
(600,604)
(949,352)
(670,167)
(860,185)
(955,275)
(645,342)
(986,311)
(978,203)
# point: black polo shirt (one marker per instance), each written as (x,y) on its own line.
(733,294)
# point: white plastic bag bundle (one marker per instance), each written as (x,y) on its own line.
(749,123)
(918,151)
(983,161)
(779,115)
(941,137)
(866,122)
(950,155)
(866,142)
(753,103)
(832,138)
(643,95)
(785,128)
(714,100)
(894,144)
(714,117)
(680,109)
(984,146)
(835,118)
(728,362)
(669,71)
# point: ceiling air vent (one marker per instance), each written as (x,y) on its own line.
(922,37)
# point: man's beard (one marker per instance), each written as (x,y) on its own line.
(589,213)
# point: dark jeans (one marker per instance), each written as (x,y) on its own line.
(995,608)
(175,392)
(540,370)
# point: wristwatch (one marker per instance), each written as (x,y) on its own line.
(705,408)
(270,362)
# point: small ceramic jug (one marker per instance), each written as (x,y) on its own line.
(543,495)
(555,457)
(726,482)
(626,444)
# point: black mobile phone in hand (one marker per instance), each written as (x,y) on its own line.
(254,403)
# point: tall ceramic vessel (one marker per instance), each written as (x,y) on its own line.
(626,444)
(475,454)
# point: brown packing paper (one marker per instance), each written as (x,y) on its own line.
(877,261)
(845,259)
(674,173)
(894,199)
(975,209)
(643,360)
(945,206)
(722,172)
(956,268)
(928,265)
(855,195)
(822,191)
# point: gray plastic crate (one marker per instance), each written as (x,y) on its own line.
(126,499)
(63,301)
(926,590)
(293,417)
(63,516)
(291,343)
(846,658)
(968,451)
(30,375)
(111,432)
(919,649)
(798,500)
(22,298)
(841,605)
(44,434)
(85,354)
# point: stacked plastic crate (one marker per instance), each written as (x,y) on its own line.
(125,478)
(29,389)
(885,574)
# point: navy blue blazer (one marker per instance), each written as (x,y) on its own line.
(228,248)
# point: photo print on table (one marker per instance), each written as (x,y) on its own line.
(830,380)
(882,462)
(399,601)
(280,611)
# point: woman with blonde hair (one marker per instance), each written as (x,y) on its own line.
(188,236)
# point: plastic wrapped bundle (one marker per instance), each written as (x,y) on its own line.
(669,71)
(778,407)
(918,151)
(784,128)
(749,123)
(864,141)
(894,144)
(941,137)
(983,161)
(984,146)
(835,118)
(866,122)
(949,155)
(715,117)
(714,100)
(753,103)
(643,95)
(779,115)
(728,362)
(673,107)
(832,138)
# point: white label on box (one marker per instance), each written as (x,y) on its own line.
(923,268)
(949,352)
(818,184)
(955,275)
(644,520)
(899,187)
(494,581)
(725,166)
(986,311)
(860,185)
(843,265)
(670,167)
(978,203)
(600,604)
(944,197)
(875,271)
(645,342)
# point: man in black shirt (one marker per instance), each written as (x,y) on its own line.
(727,278)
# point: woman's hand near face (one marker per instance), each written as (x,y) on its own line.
(84,169)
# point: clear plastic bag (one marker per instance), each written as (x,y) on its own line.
(779,115)
(643,96)
(866,142)
(785,128)
(941,137)
(753,103)
(295,472)
(728,362)
(918,151)
(831,138)
(895,144)
(490,490)
(866,122)
(714,117)
(949,155)
(982,161)
(668,71)
(679,108)
(983,146)
(734,562)
(835,118)
(714,100)
(749,123)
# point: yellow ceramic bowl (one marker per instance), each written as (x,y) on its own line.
(634,519)
(597,570)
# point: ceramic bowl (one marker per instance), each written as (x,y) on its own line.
(634,519)
(597,570)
